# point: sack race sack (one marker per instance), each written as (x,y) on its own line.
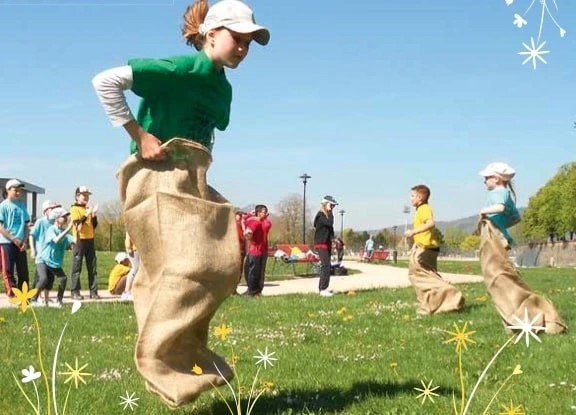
(188,243)
(510,294)
(434,294)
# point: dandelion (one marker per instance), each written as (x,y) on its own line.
(222,331)
(394,367)
(427,392)
(341,311)
(21,298)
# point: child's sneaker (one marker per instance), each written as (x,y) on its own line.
(55,304)
(326,293)
(126,297)
(38,303)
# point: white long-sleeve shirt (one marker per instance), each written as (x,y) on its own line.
(110,86)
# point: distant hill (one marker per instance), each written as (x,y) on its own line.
(467,224)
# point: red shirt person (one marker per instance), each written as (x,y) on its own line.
(257,236)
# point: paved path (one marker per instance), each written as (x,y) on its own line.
(371,276)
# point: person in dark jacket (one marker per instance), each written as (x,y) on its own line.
(323,235)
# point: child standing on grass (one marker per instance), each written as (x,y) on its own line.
(14,231)
(511,296)
(37,236)
(184,229)
(49,266)
(434,294)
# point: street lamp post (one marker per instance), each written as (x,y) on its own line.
(304,178)
(406,210)
(342,212)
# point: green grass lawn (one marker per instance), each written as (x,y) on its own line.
(357,355)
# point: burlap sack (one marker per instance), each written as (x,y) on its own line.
(434,294)
(186,236)
(510,294)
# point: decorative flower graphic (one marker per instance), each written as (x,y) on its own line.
(30,374)
(75,373)
(461,337)
(265,358)
(527,327)
(21,298)
(197,370)
(535,52)
(129,401)
(512,410)
(427,392)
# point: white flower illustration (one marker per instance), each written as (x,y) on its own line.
(129,400)
(519,21)
(527,328)
(30,374)
(534,53)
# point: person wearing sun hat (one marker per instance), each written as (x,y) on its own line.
(38,233)
(323,236)
(51,258)
(166,197)
(512,297)
(14,231)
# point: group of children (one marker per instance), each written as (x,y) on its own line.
(513,299)
(185,229)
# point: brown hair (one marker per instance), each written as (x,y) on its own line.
(193,18)
(509,185)
(423,191)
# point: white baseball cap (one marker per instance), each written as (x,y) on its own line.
(83,189)
(120,256)
(236,16)
(48,204)
(498,168)
(57,213)
(13,183)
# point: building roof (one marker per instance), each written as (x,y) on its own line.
(29,187)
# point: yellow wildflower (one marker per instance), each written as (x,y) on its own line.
(341,311)
(222,331)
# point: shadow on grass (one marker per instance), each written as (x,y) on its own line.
(305,401)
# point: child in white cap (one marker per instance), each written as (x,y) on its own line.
(49,266)
(37,237)
(119,274)
(512,297)
(185,230)
(14,233)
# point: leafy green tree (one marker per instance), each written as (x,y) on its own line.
(470,243)
(453,238)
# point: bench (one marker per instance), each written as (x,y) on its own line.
(377,255)
(308,259)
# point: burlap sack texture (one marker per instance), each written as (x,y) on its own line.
(510,294)
(434,294)
(188,244)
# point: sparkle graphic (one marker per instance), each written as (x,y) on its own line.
(427,392)
(534,53)
(129,401)
(75,373)
(527,328)
(265,358)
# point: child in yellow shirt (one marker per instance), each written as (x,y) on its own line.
(119,274)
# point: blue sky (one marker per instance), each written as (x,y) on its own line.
(369,98)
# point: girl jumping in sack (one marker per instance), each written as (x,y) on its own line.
(511,296)
(184,229)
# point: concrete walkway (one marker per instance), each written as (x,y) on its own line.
(371,276)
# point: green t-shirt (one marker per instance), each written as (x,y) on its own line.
(182,96)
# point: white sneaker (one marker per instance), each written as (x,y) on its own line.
(326,293)
(126,297)
(38,303)
(55,304)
